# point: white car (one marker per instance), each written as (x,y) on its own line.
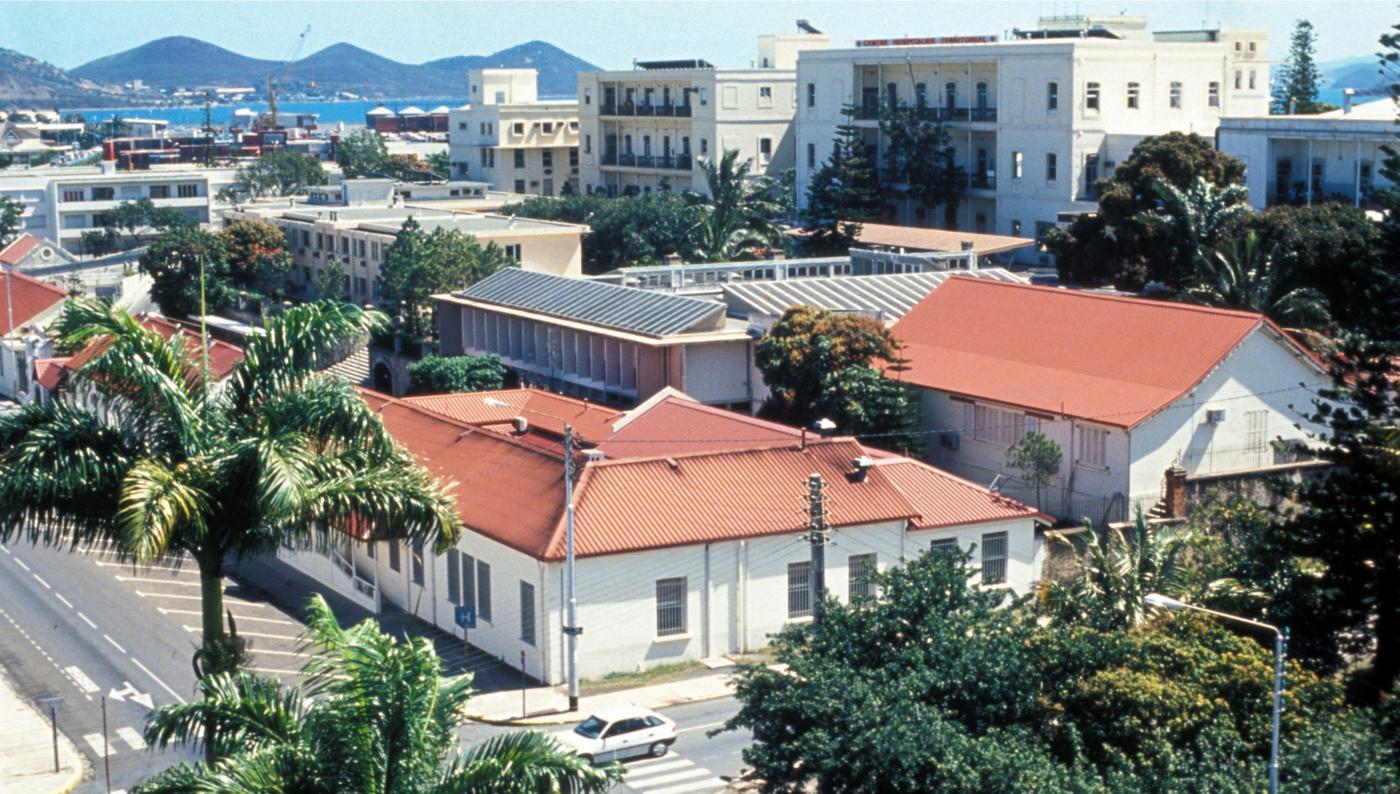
(619,733)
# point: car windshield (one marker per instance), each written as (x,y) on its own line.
(591,728)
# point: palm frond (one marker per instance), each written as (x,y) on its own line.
(527,761)
(160,509)
(247,711)
(393,499)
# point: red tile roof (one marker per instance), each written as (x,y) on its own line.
(943,500)
(18,249)
(678,425)
(1114,360)
(50,372)
(222,355)
(29,298)
(543,410)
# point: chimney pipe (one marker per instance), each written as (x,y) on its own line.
(1347,97)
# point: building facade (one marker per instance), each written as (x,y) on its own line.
(1037,118)
(643,130)
(511,140)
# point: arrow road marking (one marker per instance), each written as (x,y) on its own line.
(129,691)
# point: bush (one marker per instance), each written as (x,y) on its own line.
(436,374)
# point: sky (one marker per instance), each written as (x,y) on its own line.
(613,33)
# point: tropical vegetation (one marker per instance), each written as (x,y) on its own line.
(445,374)
(194,270)
(738,215)
(844,192)
(275,173)
(419,264)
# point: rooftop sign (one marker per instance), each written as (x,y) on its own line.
(927,41)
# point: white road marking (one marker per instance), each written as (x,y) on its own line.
(700,727)
(65,601)
(81,679)
(136,568)
(164,611)
(21,564)
(227,599)
(156,678)
(712,784)
(175,582)
(274,671)
(657,765)
(131,737)
(688,775)
(87,620)
(41,581)
(115,644)
(261,651)
(290,637)
(94,741)
(2,548)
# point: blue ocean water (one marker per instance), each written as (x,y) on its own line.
(348,111)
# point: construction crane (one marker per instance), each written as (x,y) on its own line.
(277,77)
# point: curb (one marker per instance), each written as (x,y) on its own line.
(570,717)
(73,782)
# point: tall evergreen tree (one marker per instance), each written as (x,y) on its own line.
(845,191)
(920,157)
(1295,87)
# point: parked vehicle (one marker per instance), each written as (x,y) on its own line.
(620,733)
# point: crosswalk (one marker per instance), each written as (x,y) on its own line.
(124,735)
(671,774)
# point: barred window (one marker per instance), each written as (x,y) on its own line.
(454,588)
(859,569)
(670,606)
(418,562)
(799,576)
(527,612)
(483,591)
(468,581)
(994,558)
(944,546)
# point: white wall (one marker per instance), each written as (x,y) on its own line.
(1024,549)
(718,372)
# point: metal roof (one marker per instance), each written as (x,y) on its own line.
(607,305)
(892,295)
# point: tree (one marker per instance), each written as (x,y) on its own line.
(418,265)
(331,283)
(630,230)
(447,374)
(166,465)
(257,257)
(361,153)
(173,261)
(919,156)
(278,172)
(1388,198)
(1037,458)
(739,213)
(376,715)
(1298,80)
(1117,244)
(440,163)
(844,192)
(1200,216)
(143,216)
(806,348)
(100,242)
(11,212)
(1243,274)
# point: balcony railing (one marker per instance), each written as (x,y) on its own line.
(645,109)
(668,162)
(930,113)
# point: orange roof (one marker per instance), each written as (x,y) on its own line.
(943,500)
(1111,359)
(28,299)
(222,355)
(50,372)
(678,425)
(543,410)
(919,238)
(18,249)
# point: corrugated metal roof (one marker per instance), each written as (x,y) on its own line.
(892,295)
(542,409)
(943,500)
(607,305)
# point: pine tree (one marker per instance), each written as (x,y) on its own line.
(845,191)
(1295,88)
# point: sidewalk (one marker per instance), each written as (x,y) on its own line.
(550,705)
(26,748)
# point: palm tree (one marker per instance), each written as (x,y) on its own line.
(1243,274)
(375,716)
(739,212)
(160,462)
(1115,573)
(1199,215)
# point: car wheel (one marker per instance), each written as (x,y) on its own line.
(658,749)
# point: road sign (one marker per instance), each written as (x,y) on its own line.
(465,617)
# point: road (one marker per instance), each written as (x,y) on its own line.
(697,762)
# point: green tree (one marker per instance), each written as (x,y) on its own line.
(257,256)
(1388,198)
(440,163)
(418,265)
(376,715)
(361,153)
(448,374)
(278,173)
(10,213)
(331,283)
(1037,458)
(1298,80)
(1117,244)
(100,242)
(173,261)
(630,230)
(738,214)
(142,216)
(166,465)
(844,192)
(1244,274)
(920,163)
(1199,216)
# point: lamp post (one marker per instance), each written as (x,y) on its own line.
(1280,641)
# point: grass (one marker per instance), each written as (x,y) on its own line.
(660,674)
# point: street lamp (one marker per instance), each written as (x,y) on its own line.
(1280,641)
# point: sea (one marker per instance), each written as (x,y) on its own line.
(349,112)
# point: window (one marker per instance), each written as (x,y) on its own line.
(1239,78)
(573,157)
(765,149)
(587,96)
(994,558)
(1091,96)
(1052,166)
(1174,97)
(483,158)
(547,128)
(519,158)
(518,128)
(811,95)
(1251,79)
(160,191)
(519,186)
(588,144)
(859,569)
(944,545)
(395,564)
(670,606)
(1091,173)
(573,126)
(765,96)
(704,146)
(418,562)
(1253,46)
(483,591)
(704,96)
(1052,96)
(462,126)
(1134,95)
(188,191)
(547,158)
(997,425)
(72,195)
(513,251)
(454,578)
(1017,165)
(1213,94)
(799,577)
(468,581)
(527,613)
(1256,434)
(104,194)
(1091,446)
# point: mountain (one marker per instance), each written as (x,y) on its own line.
(25,80)
(1361,73)
(180,61)
(558,69)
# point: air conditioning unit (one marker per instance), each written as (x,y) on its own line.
(1215,416)
(949,439)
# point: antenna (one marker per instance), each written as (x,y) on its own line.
(806,27)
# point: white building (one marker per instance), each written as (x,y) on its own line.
(1333,156)
(511,140)
(642,130)
(62,203)
(27,306)
(686,552)
(1035,119)
(1127,387)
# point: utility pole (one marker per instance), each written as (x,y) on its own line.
(816,536)
(571,629)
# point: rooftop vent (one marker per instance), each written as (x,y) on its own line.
(520,423)
(824,427)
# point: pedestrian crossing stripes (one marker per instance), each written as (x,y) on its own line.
(671,775)
(128,736)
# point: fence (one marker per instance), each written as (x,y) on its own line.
(1226,460)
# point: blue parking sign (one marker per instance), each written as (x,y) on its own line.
(465,617)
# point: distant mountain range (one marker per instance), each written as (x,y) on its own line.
(1361,73)
(183,62)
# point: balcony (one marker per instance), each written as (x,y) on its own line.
(645,109)
(942,114)
(986,181)
(665,162)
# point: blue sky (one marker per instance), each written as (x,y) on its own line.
(611,34)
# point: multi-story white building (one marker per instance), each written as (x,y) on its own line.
(511,140)
(643,130)
(1333,156)
(61,204)
(1035,119)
